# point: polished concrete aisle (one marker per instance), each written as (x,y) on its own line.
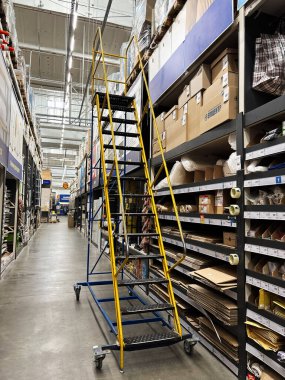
(46,335)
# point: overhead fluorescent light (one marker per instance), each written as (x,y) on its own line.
(72,41)
(68,77)
(74,20)
(70,62)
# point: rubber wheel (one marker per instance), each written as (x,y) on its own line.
(99,363)
(188,347)
(77,290)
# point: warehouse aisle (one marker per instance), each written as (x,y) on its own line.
(46,335)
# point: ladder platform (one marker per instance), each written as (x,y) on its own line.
(120,133)
(118,120)
(122,147)
(139,309)
(143,281)
(152,340)
(123,162)
(117,102)
(135,257)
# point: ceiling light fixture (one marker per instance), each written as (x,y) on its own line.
(72,41)
(68,77)
(70,62)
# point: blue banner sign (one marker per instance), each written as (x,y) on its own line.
(214,22)
(3,154)
(64,198)
(14,167)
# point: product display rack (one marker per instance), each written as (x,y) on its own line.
(25,173)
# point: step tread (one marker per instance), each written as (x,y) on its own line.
(133,195)
(137,234)
(118,120)
(134,257)
(148,338)
(142,281)
(133,214)
(137,309)
(120,133)
(121,147)
(122,162)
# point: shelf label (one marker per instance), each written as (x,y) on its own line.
(278,179)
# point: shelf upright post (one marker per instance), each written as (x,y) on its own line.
(2,192)
(240,249)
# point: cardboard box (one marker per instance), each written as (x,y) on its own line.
(195,9)
(46,174)
(194,107)
(226,61)
(165,49)
(201,80)
(70,220)
(184,97)
(230,239)
(176,128)
(222,200)
(220,104)
(213,172)
(199,176)
(160,122)
(178,29)
(207,199)
(206,209)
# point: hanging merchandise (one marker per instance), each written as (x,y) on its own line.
(269,68)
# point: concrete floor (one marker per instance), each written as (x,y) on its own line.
(45,334)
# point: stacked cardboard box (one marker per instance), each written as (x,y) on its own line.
(220,100)
(207,204)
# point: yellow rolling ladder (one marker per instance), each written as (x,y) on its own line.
(113,127)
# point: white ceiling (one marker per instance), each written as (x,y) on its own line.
(43,38)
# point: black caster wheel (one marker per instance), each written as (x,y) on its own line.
(77,289)
(188,347)
(99,363)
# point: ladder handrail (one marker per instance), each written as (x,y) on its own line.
(134,39)
(106,193)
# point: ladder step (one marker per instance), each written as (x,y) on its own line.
(121,147)
(135,257)
(117,102)
(138,234)
(123,162)
(133,214)
(143,281)
(152,340)
(133,195)
(120,133)
(139,179)
(118,120)
(139,309)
